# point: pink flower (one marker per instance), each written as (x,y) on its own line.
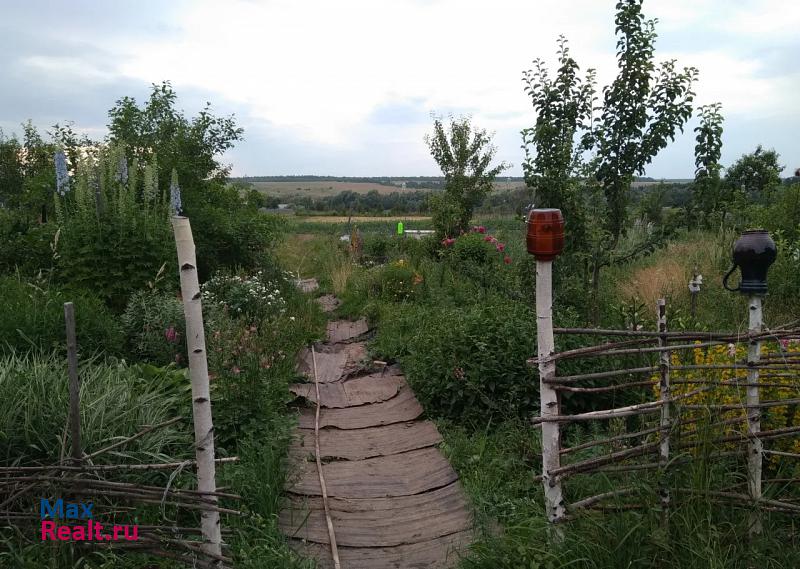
(501,247)
(488,238)
(235,370)
(785,344)
(507,260)
(481,229)
(171,335)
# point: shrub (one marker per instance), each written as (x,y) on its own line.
(155,327)
(396,282)
(469,364)
(32,319)
(257,298)
(251,364)
(26,247)
(230,236)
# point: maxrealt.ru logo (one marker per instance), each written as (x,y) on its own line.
(77,523)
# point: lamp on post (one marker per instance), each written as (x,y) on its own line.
(753,253)
(545,241)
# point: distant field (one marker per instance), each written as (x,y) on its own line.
(322,189)
(328,188)
(358,218)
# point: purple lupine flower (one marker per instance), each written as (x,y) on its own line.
(62,176)
(122,170)
(175,196)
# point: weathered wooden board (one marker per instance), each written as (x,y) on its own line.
(380,522)
(383,476)
(330,365)
(352,392)
(328,302)
(343,330)
(357,444)
(399,409)
(440,553)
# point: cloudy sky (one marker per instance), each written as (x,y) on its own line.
(347,87)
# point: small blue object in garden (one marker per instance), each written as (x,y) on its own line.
(62,176)
(399,227)
(175,197)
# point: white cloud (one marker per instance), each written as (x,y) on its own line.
(319,73)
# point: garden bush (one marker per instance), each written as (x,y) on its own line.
(32,319)
(468,364)
(256,299)
(25,247)
(155,327)
(396,282)
(251,362)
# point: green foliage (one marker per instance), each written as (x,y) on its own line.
(155,327)
(707,196)
(115,234)
(641,112)
(260,478)
(396,282)
(25,246)
(188,145)
(495,466)
(553,156)
(229,235)
(32,319)
(251,362)
(116,400)
(755,174)
(467,364)
(464,153)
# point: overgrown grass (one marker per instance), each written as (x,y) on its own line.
(497,465)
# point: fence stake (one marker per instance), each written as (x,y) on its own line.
(664,394)
(74,382)
(198,373)
(756,450)
(551,431)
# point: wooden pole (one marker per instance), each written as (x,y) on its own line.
(198,373)
(551,431)
(74,382)
(756,446)
(665,396)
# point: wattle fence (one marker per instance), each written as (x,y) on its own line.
(699,396)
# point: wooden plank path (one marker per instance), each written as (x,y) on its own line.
(394,500)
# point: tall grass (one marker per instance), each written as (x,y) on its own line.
(116,401)
(497,465)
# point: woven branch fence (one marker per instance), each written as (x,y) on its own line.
(687,409)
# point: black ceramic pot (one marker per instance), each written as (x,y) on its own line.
(753,253)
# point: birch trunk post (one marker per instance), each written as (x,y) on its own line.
(756,446)
(664,395)
(198,373)
(551,431)
(74,383)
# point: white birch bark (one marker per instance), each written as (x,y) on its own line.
(756,446)
(551,431)
(198,373)
(664,395)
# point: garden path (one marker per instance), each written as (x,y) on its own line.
(393,499)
